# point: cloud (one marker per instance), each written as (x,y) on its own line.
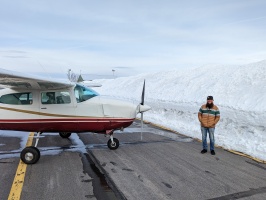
(15,56)
(130,36)
(13,51)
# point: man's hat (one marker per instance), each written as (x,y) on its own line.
(209,97)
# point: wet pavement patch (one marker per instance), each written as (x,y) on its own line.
(86,181)
(113,163)
(167,185)
(103,187)
(208,172)
(129,170)
(9,143)
(140,178)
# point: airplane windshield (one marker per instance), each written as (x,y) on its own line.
(83,93)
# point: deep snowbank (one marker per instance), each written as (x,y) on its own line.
(176,96)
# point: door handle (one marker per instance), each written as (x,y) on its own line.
(43,108)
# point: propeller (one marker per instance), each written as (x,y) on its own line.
(141,108)
(142,103)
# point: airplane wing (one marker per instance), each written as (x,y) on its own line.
(15,80)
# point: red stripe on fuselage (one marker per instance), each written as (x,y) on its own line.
(65,124)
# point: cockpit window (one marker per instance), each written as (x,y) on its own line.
(17,98)
(83,93)
(57,97)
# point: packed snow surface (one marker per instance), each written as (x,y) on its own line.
(176,96)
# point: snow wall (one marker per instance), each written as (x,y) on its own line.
(176,96)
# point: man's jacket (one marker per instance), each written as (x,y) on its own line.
(209,117)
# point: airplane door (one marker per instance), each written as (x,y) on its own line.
(57,111)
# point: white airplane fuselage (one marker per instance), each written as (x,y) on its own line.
(96,114)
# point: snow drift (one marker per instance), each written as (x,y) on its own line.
(176,96)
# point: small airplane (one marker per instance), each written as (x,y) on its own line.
(30,103)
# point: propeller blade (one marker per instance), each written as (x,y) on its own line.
(143,94)
(142,103)
(141,126)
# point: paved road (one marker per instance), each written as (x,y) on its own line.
(158,167)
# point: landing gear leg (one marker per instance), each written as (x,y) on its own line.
(112,143)
(31,154)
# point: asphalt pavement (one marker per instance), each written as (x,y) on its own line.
(161,165)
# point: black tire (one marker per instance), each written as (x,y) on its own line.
(64,134)
(39,153)
(30,155)
(113,146)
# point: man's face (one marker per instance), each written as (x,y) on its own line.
(209,101)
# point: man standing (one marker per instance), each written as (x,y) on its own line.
(208,115)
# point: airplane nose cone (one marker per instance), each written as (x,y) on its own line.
(143,108)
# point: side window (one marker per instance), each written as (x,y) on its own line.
(58,97)
(17,98)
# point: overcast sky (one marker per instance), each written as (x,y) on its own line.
(130,37)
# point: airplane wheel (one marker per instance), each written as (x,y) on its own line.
(114,145)
(64,134)
(39,153)
(30,155)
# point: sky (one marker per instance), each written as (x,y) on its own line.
(123,38)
